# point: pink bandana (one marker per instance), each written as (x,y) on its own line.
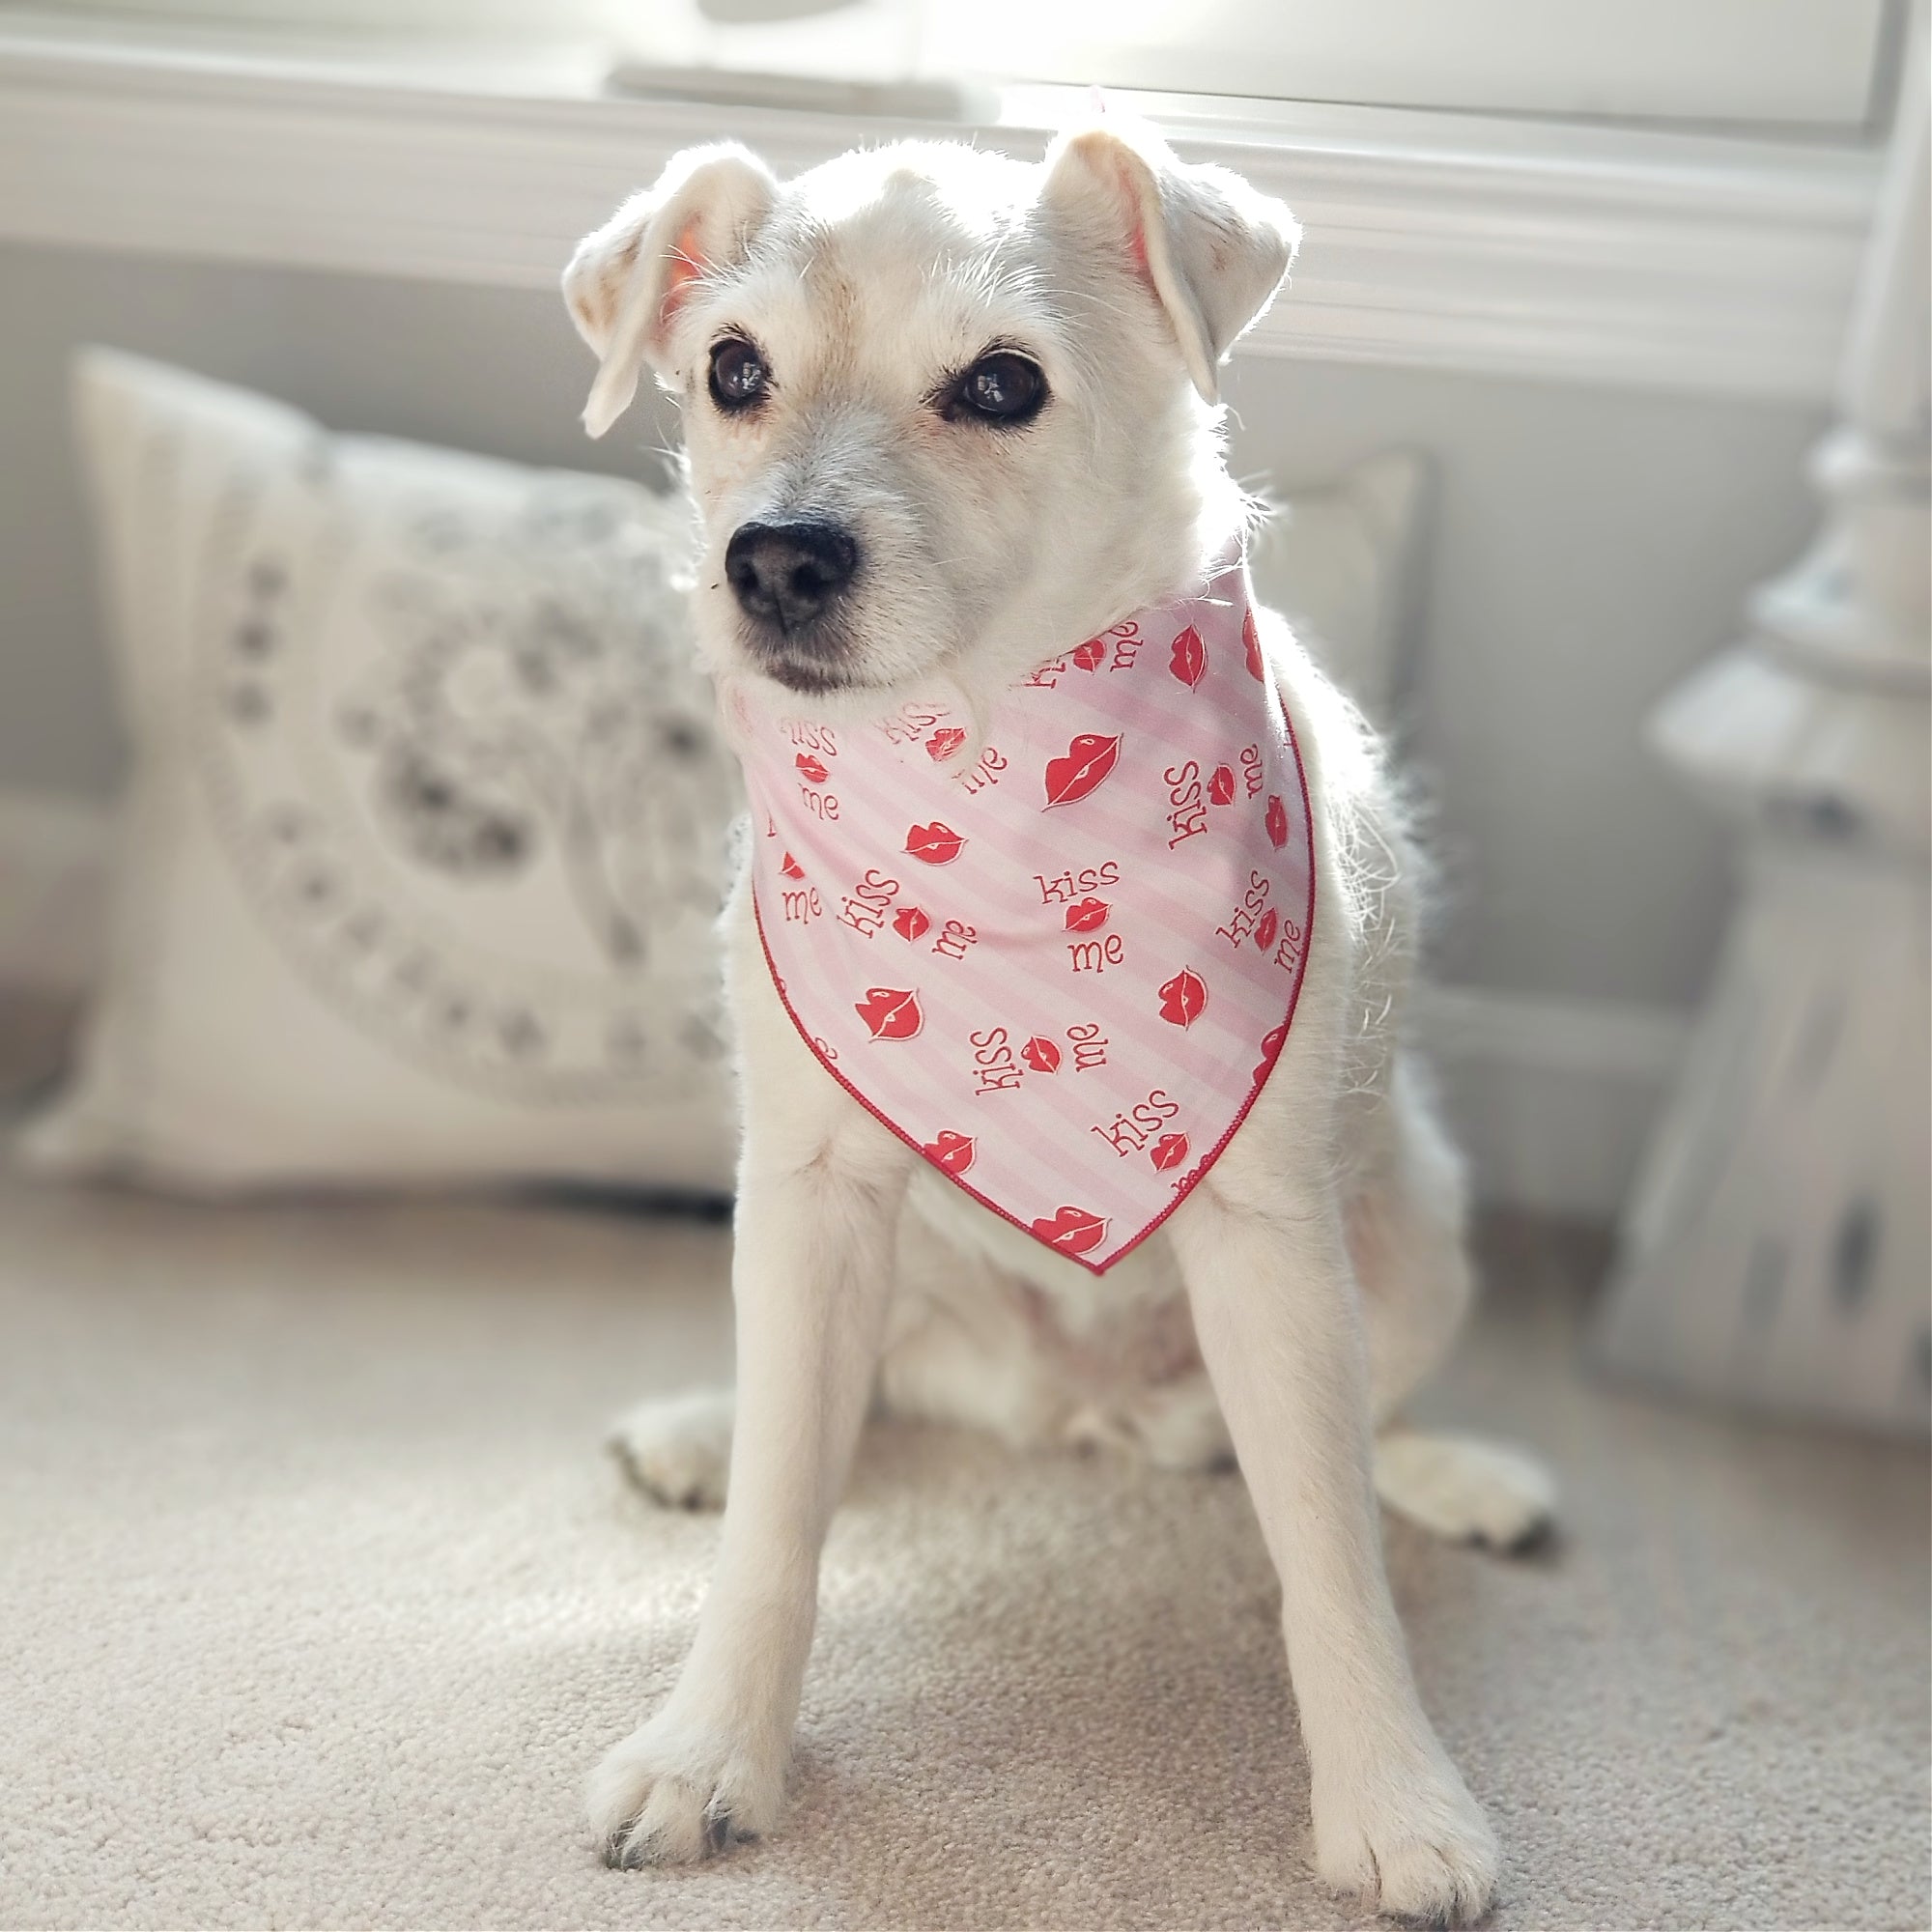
(1060,967)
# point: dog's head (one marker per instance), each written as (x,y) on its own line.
(941,408)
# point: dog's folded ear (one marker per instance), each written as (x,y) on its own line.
(1212,248)
(625,282)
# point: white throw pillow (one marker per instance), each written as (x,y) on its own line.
(419,860)
(421,853)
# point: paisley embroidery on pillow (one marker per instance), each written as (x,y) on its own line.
(467,776)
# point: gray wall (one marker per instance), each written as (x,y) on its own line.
(1588,545)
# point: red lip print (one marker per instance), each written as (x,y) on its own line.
(1277,821)
(1182,999)
(952,1152)
(790,867)
(890,1012)
(1072,1230)
(810,767)
(944,742)
(1270,1046)
(1041,1054)
(1190,661)
(1221,786)
(1088,916)
(909,921)
(1170,1151)
(936,843)
(1088,762)
(1088,657)
(1265,932)
(1252,639)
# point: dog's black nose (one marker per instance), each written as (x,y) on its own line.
(789,574)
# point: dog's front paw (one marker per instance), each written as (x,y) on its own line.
(1410,1842)
(675,1792)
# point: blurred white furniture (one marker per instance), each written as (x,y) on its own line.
(1777,1248)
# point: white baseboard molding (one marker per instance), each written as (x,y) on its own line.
(1552,1098)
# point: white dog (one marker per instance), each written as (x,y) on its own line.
(946,416)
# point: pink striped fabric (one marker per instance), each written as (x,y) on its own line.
(1060,961)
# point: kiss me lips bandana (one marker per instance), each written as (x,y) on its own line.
(1061,960)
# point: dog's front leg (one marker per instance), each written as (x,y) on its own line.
(1279,1328)
(819,1193)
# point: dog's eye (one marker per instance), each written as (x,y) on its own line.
(739,376)
(1000,388)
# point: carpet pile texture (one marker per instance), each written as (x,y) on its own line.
(320,1600)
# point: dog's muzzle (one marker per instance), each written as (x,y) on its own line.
(790,577)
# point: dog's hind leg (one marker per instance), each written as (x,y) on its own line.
(1408,1239)
(677,1448)
(1406,1216)
(1463,1488)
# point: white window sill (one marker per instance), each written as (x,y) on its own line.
(1540,250)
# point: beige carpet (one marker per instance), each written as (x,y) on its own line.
(319,1600)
